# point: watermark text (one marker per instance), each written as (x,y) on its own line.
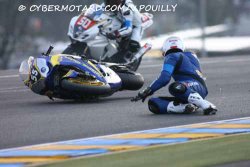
(81,8)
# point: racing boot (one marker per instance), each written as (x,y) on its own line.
(207,107)
(181,108)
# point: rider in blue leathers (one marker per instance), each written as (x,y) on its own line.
(189,89)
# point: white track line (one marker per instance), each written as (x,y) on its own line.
(14,91)
(12,88)
(205,62)
(104,136)
(9,76)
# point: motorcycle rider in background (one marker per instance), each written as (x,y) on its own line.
(131,32)
(189,89)
(127,37)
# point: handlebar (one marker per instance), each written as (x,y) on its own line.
(48,51)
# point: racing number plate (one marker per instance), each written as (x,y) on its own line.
(34,75)
(85,22)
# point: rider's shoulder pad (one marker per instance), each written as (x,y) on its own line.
(191,53)
(173,55)
(126,13)
(129,5)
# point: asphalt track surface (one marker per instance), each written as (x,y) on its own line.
(27,118)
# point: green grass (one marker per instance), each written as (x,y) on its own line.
(199,153)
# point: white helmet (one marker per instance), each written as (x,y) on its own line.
(173,43)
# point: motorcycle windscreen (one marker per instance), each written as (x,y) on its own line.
(24,70)
(94,12)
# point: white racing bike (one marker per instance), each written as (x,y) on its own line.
(88,37)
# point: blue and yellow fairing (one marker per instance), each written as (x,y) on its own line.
(81,64)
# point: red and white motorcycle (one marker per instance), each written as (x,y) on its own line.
(88,37)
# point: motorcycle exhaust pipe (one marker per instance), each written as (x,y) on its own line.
(147,47)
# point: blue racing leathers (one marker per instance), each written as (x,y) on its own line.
(184,68)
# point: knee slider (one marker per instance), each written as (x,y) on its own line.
(134,46)
(153,107)
(177,88)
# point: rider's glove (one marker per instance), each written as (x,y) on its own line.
(113,35)
(143,95)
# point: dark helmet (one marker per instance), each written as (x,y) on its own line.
(114,2)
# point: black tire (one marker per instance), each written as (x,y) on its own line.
(86,89)
(131,80)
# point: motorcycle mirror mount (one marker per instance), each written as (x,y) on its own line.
(48,51)
(101,30)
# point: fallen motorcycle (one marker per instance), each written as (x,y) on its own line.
(74,77)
